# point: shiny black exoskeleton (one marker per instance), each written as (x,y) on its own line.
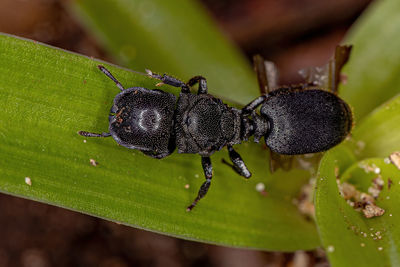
(291,120)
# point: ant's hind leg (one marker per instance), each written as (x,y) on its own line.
(238,163)
(88,134)
(166,79)
(207,167)
(109,75)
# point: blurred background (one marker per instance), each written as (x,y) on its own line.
(292,33)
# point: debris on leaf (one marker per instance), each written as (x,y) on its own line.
(390,182)
(337,171)
(260,187)
(28,181)
(305,202)
(362,201)
(370,168)
(376,187)
(93,162)
(395,159)
(348,191)
(371,210)
(330,249)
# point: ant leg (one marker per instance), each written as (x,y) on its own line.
(238,163)
(88,134)
(249,108)
(166,79)
(207,167)
(202,84)
(109,75)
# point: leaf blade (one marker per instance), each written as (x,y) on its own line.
(348,237)
(47,95)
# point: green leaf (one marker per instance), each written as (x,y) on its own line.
(173,36)
(374,66)
(340,226)
(349,238)
(48,94)
(373,80)
(378,134)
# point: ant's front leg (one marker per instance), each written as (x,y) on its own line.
(202,84)
(166,79)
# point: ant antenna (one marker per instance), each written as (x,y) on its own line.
(109,75)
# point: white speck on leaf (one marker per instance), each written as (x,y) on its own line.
(260,187)
(28,181)
(93,162)
(330,249)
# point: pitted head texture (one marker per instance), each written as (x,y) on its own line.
(143,119)
(305,121)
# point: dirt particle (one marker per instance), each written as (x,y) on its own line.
(370,168)
(348,191)
(390,182)
(93,162)
(374,191)
(363,202)
(367,199)
(304,201)
(28,181)
(376,187)
(395,159)
(260,187)
(371,210)
(351,203)
(337,172)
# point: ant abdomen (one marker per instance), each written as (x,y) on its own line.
(305,121)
